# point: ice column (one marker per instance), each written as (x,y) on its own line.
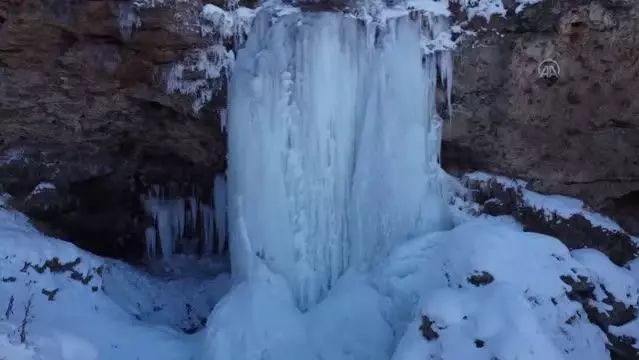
(330,146)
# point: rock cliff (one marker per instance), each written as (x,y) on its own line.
(98,102)
(575,134)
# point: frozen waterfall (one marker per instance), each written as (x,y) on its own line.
(333,144)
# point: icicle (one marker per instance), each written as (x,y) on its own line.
(330,146)
(223,120)
(208,223)
(151,240)
(177,222)
(219,204)
(194,212)
(446,68)
(436,40)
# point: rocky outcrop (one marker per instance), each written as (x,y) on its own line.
(572,227)
(84,106)
(617,314)
(576,134)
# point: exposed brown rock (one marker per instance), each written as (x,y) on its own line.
(426,328)
(578,135)
(481,278)
(82,105)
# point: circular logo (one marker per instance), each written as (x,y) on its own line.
(548,69)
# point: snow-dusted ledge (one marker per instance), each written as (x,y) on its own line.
(566,218)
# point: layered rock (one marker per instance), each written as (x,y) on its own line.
(576,134)
(84,105)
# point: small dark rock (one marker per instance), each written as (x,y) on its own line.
(481,279)
(427,329)
(50,294)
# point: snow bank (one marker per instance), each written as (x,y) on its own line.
(487,289)
(483,290)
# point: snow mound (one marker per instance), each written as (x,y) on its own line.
(258,319)
(483,290)
(488,290)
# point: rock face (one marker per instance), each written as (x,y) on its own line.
(576,134)
(84,106)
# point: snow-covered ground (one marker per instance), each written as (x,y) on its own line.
(484,290)
(83,307)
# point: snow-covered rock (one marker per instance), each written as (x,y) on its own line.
(568,219)
(527,311)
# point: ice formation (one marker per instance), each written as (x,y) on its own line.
(201,72)
(128,19)
(333,144)
(186,224)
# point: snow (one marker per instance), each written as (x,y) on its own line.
(221,20)
(182,301)
(218,26)
(562,206)
(212,61)
(316,146)
(522,4)
(71,317)
(342,245)
(41,187)
(629,330)
(483,8)
(617,281)
(523,313)
(13,155)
